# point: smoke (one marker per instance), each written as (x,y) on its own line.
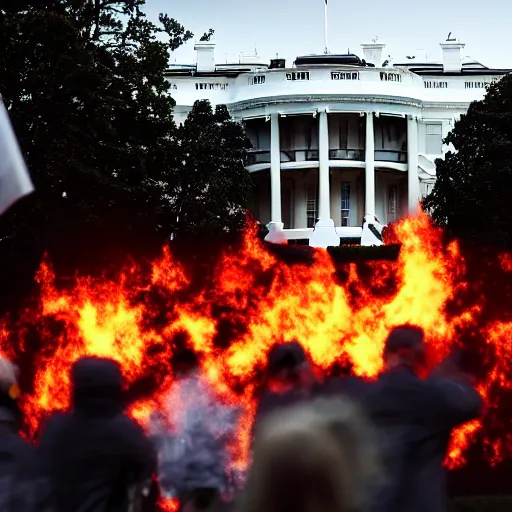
(193,433)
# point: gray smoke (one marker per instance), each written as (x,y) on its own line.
(192,433)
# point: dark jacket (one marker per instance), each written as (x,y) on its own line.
(15,456)
(349,386)
(414,420)
(94,454)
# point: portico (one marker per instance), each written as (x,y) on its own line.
(344,169)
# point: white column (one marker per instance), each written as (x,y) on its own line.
(275,170)
(324,234)
(412,165)
(336,196)
(369,207)
(275,227)
(324,207)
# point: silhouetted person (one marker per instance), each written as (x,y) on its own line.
(95,457)
(15,453)
(414,420)
(289,380)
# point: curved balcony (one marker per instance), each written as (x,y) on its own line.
(347,154)
(262,156)
(299,155)
(386,155)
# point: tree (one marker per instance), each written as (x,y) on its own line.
(85,85)
(211,187)
(207,36)
(471,197)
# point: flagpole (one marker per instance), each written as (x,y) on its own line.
(326,50)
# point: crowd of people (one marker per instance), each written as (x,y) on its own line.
(337,444)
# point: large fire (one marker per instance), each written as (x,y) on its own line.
(249,301)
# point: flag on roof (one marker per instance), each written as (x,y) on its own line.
(15,181)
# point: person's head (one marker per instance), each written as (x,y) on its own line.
(405,347)
(97,386)
(288,363)
(316,457)
(184,363)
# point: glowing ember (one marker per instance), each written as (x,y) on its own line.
(251,300)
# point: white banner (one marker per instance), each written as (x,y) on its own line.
(15,180)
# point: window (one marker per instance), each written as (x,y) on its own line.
(436,85)
(476,85)
(345,203)
(434,139)
(392,202)
(257,80)
(204,86)
(311,205)
(390,77)
(298,75)
(351,75)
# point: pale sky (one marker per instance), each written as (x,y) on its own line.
(295,27)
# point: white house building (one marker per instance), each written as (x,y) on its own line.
(337,138)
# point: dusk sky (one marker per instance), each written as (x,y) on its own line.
(292,28)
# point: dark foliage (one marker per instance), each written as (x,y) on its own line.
(86,89)
(212,184)
(471,197)
(207,36)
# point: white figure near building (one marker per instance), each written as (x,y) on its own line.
(337,138)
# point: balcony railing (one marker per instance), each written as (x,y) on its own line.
(299,155)
(386,155)
(258,156)
(262,156)
(346,154)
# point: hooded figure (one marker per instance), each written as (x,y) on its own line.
(95,455)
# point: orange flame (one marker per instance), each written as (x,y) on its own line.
(262,300)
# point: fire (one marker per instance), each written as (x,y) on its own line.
(249,301)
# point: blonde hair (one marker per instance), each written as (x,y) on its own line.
(317,457)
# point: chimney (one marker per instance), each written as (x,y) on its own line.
(205,57)
(452,56)
(372,53)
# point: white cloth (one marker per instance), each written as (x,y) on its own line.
(192,434)
(8,372)
(15,181)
